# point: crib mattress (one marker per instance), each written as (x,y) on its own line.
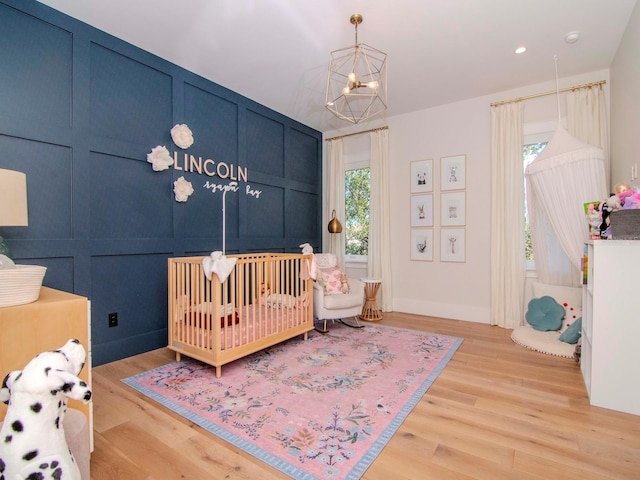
(246,325)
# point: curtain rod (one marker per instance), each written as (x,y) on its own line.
(357,133)
(535,95)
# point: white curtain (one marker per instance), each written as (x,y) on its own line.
(507,215)
(379,254)
(335,194)
(566,175)
(587,120)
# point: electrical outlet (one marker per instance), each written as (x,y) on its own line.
(113,319)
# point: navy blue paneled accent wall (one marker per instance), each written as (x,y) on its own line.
(79,111)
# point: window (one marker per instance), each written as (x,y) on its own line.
(357,188)
(357,196)
(533,146)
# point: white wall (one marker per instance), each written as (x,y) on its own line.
(625,103)
(454,290)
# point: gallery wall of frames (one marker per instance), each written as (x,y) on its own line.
(438,207)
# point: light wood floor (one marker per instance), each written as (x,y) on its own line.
(497,411)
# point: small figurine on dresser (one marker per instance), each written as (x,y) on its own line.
(607,207)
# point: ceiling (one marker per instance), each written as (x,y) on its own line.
(276,52)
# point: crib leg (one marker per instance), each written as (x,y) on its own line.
(178,356)
(218,371)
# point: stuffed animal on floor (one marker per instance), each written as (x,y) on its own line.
(32,439)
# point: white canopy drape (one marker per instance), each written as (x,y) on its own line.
(566,175)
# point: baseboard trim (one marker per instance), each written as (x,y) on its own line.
(443,310)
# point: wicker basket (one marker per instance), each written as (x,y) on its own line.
(20,285)
(625,224)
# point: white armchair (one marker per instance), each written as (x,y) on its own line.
(335,306)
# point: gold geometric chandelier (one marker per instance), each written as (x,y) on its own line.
(357,83)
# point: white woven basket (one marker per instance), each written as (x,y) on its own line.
(20,285)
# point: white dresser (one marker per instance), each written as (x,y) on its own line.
(611,325)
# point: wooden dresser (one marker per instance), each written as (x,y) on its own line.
(46,324)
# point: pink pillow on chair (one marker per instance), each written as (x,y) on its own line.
(332,280)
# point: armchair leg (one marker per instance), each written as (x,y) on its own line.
(355,324)
(324,327)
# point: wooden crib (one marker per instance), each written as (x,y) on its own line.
(267,298)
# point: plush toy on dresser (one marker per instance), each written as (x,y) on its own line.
(609,205)
(32,438)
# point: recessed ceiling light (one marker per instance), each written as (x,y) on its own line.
(572,37)
(520,50)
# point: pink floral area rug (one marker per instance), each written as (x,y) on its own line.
(317,409)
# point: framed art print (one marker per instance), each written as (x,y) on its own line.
(452,209)
(452,245)
(422,176)
(422,210)
(422,244)
(452,172)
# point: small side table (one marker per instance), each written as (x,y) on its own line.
(370,310)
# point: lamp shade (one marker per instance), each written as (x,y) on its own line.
(334,225)
(13,199)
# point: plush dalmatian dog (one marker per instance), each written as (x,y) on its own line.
(32,439)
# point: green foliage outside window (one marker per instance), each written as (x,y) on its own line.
(357,196)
